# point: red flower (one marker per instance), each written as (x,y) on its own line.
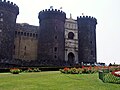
(90,67)
(66,69)
(83,67)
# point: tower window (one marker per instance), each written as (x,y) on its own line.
(55,49)
(25,48)
(71,35)
(36,35)
(91,42)
(55,37)
(0,30)
(14,50)
(55,27)
(91,52)
(14,46)
(1,14)
(1,19)
(55,56)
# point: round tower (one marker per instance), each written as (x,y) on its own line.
(8,15)
(87,39)
(51,37)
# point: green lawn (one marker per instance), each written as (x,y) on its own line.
(53,81)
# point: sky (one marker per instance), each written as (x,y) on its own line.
(107,13)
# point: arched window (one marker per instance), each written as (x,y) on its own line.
(33,35)
(30,34)
(71,35)
(18,33)
(24,33)
(27,34)
(21,33)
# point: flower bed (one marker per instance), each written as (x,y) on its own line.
(89,70)
(84,70)
(110,74)
(15,70)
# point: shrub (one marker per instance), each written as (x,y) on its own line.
(36,70)
(15,70)
(85,70)
(88,70)
(65,70)
(74,71)
(109,78)
(29,70)
(33,70)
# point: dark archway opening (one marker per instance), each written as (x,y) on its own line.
(71,59)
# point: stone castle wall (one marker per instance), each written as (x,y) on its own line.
(26,41)
(57,41)
(8,15)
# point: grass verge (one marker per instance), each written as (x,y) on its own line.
(53,81)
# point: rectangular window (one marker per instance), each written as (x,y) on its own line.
(36,35)
(1,14)
(55,57)
(55,37)
(92,53)
(1,19)
(0,30)
(91,42)
(25,48)
(55,49)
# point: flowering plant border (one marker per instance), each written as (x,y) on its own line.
(84,70)
(15,70)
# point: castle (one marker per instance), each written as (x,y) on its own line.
(57,41)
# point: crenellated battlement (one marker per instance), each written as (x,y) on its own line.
(52,10)
(52,13)
(87,18)
(10,6)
